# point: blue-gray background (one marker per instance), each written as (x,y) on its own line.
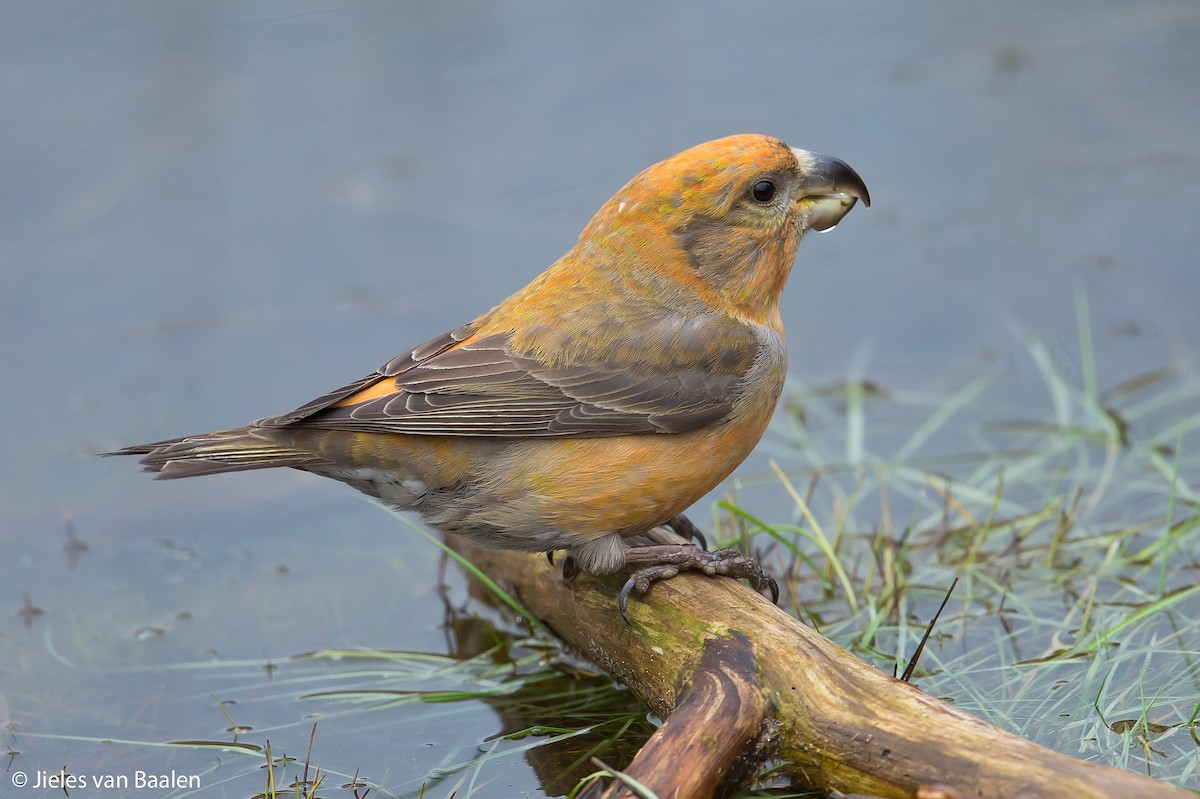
(215,211)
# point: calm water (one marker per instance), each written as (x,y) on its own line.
(211,212)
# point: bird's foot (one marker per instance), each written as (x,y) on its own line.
(664,561)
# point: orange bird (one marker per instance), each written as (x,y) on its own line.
(601,400)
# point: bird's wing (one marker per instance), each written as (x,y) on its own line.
(683,376)
(435,345)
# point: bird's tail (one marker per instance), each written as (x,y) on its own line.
(233,450)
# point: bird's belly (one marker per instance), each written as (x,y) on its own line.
(593,487)
(556,493)
(539,493)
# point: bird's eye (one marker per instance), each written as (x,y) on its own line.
(763,191)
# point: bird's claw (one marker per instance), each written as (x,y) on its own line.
(664,562)
(683,526)
(640,582)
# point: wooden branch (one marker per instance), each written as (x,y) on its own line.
(833,722)
(710,728)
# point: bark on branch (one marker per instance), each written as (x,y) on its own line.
(715,724)
(834,722)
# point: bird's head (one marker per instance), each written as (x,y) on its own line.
(736,208)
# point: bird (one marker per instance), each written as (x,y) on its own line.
(598,402)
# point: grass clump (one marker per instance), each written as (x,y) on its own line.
(1075,540)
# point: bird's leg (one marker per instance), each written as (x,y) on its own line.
(664,561)
(683,526)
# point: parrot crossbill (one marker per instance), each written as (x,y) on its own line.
(601,400)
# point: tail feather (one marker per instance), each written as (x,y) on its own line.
(235,450)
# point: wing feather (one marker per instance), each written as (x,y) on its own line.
(459,385)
